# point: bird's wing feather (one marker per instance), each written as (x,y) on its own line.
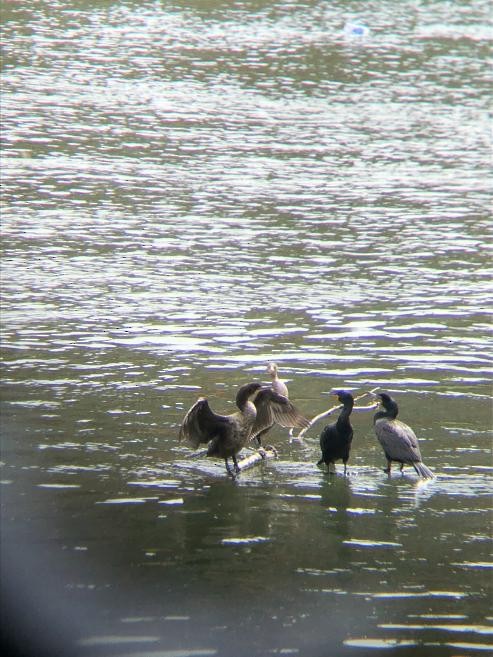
(398,440)
(272,407)
(201,424)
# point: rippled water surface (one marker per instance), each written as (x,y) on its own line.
(189,191)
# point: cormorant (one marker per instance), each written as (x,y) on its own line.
(398,440)
(226,435)
(335,439)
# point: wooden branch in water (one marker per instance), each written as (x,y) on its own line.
(246,462)
(257,457)
(320,416)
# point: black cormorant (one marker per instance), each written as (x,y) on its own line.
(335,439)
(398,440)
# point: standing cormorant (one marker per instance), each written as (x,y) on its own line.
(226,435)
(335,439)
(398,440)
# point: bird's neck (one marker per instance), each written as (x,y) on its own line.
(249,410)
(345,413)
(384,415)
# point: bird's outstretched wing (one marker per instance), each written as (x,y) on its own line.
(201,424)
(274,408)
(398,441)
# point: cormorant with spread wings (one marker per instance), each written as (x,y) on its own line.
(258,408)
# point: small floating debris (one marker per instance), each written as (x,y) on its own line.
(355,29)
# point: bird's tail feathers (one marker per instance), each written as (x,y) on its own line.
(423,470)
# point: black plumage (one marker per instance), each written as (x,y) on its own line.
(336,438)
(398,440)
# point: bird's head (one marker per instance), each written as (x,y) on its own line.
(246,392)
(384,398)
(272,369)
(343,396)
(389,404)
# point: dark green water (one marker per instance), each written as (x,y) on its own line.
(189,191)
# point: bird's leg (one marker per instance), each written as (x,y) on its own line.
(345,468)
(228,469)
(295,439)
(387,469)
(235,462)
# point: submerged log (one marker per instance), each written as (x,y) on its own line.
(262,454)
(320,416)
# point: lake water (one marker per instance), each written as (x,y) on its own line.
(192,189)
